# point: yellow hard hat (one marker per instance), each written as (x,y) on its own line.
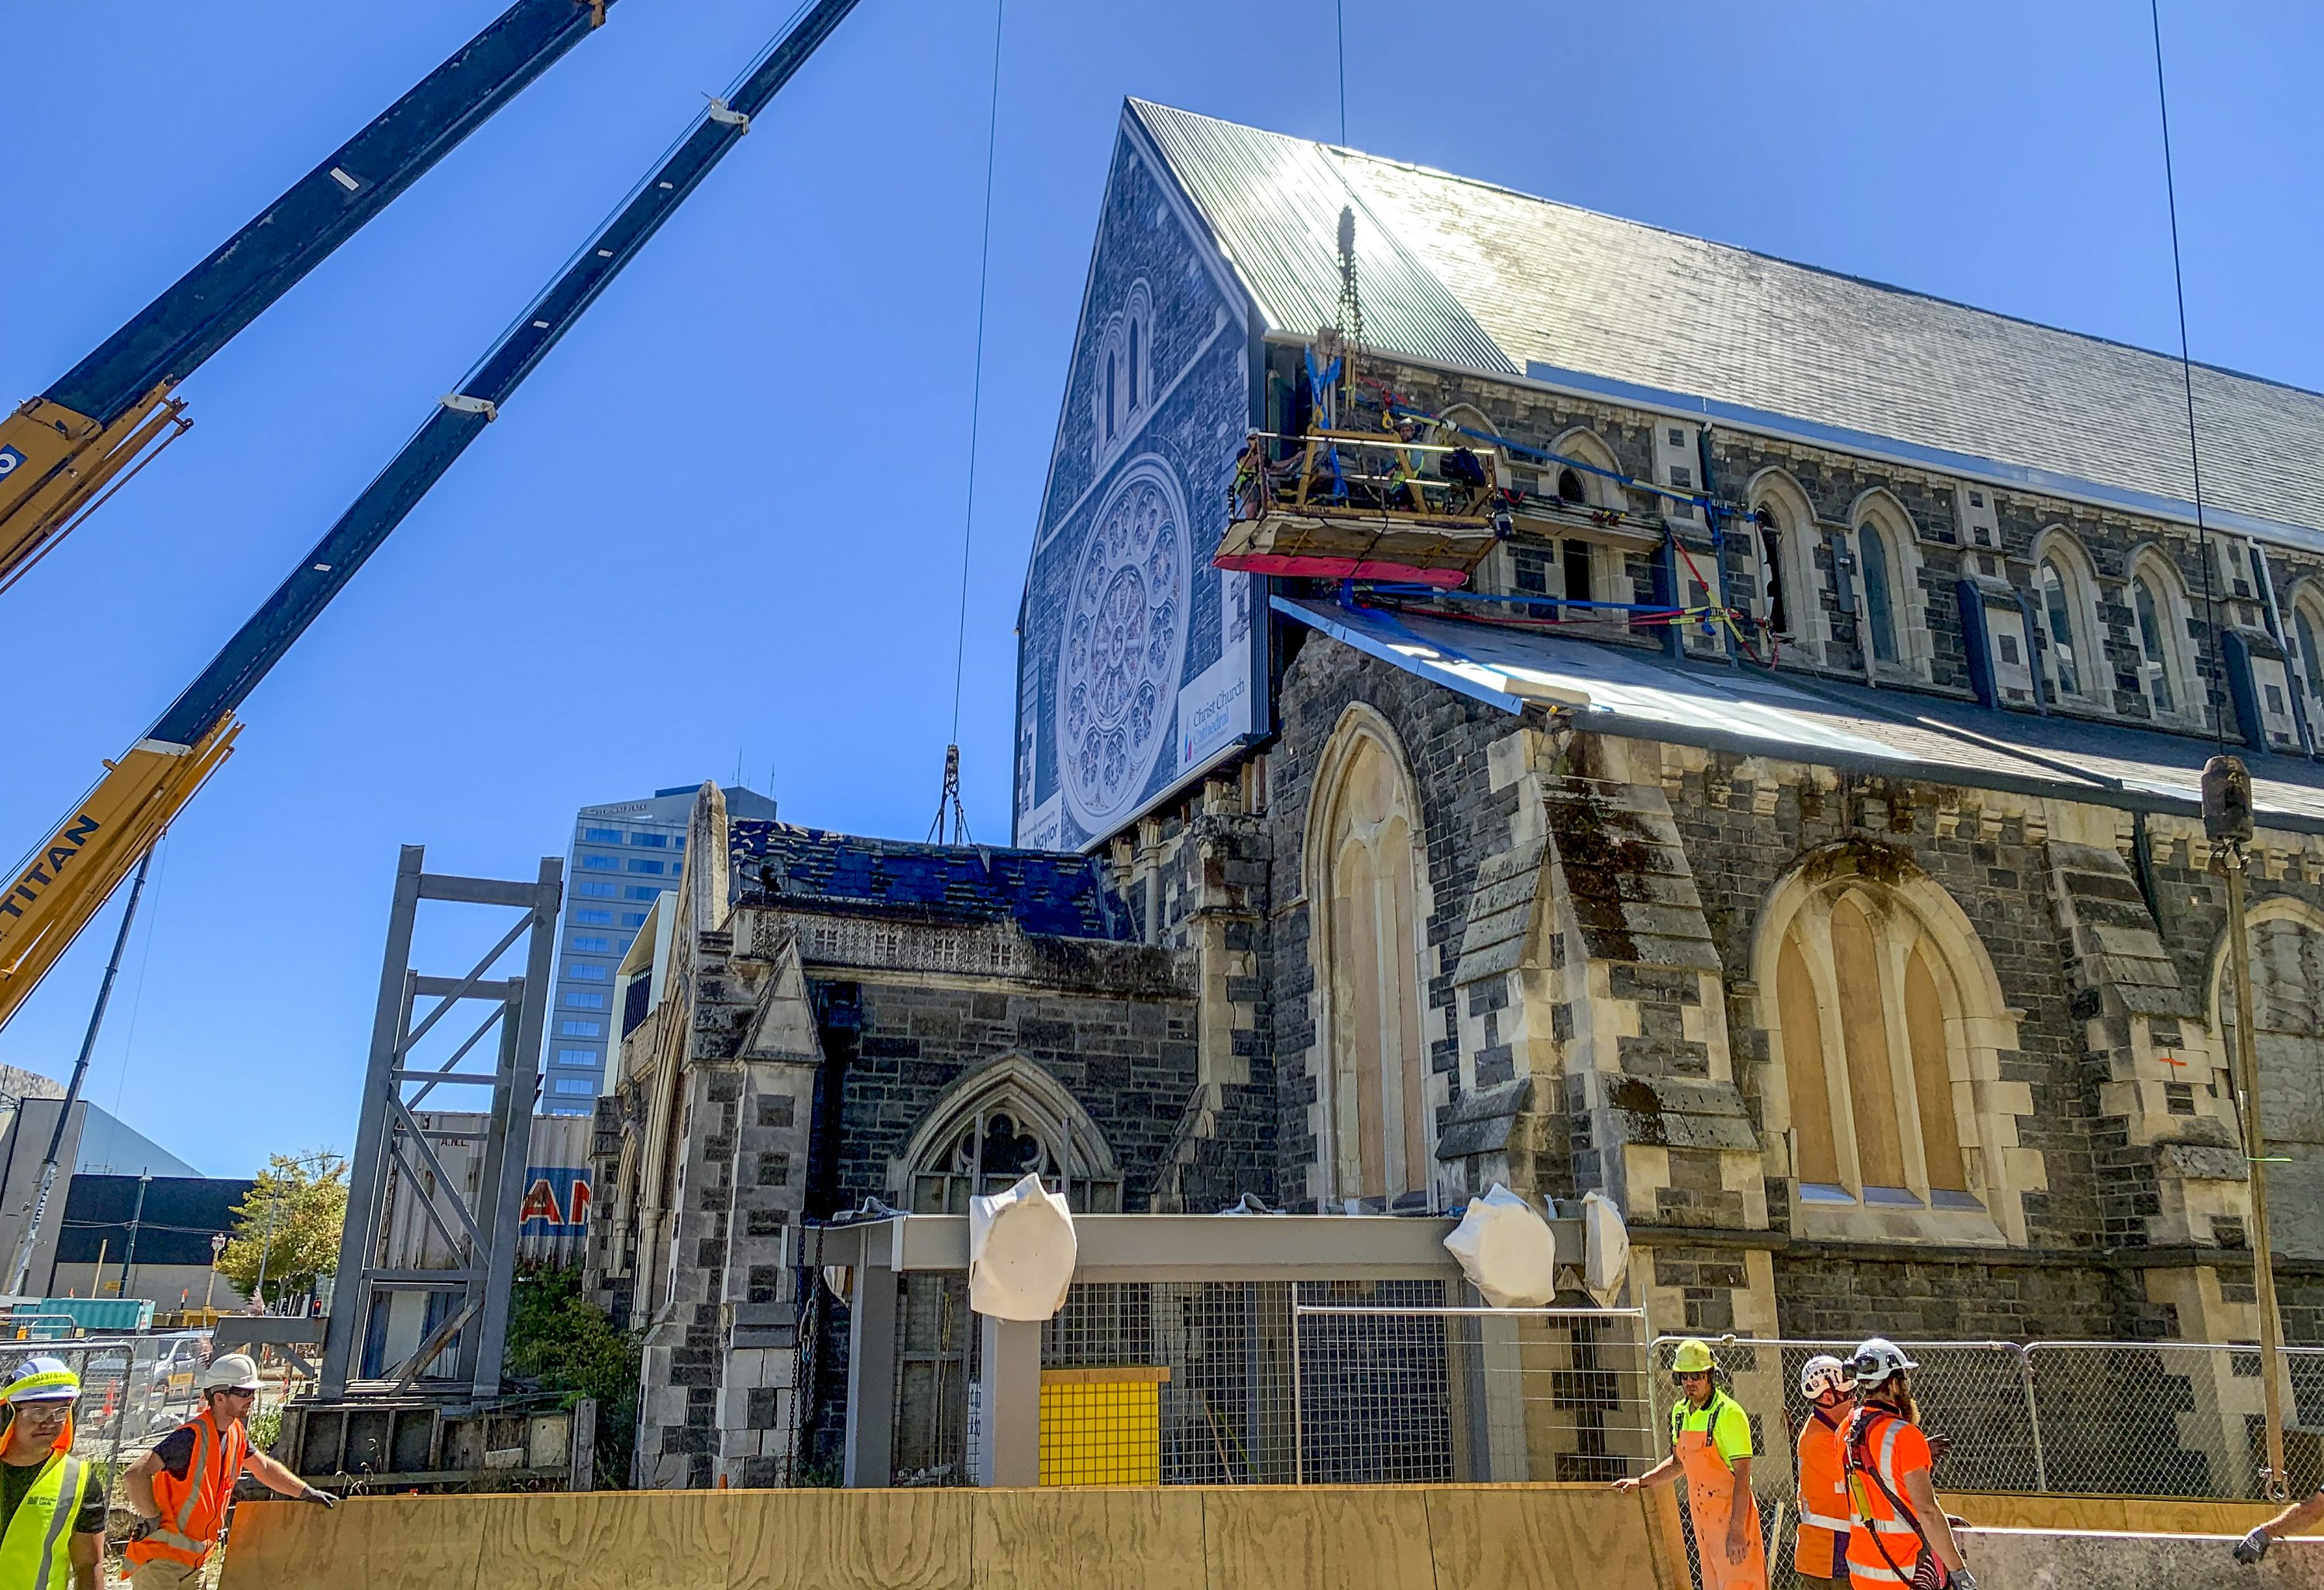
(1693,1357)
(44,1380)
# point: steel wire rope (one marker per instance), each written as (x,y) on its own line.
(2186,382)
(975,414)
(144,961)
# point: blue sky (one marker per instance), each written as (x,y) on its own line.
(722,525)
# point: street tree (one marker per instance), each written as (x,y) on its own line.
(286,1231)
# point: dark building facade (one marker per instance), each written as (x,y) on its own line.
(1789,830)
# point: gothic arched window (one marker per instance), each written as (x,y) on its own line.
(1866,1009)
(2062,585)
(1364,862)
(2160,613)
(1879,594)
(999,1124)
(2308,629)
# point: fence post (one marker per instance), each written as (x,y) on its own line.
(1298,1419)
(2032,1417)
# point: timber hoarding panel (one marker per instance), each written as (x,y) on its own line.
(2142,1515)
(1223,1538)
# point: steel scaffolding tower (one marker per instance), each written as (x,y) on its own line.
(459,1348)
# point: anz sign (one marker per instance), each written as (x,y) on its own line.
(11,461)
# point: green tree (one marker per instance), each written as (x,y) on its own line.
(566,1342)
(290,1223)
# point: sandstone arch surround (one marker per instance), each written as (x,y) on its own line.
(2287,943)
(1400,995)
(1773,490)
(1878,512)
(1980,1029)
(1075,1152)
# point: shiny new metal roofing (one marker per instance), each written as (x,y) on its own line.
(1460,273)
(1274,205)
(1618,690)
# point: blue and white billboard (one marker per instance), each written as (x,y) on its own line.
(1138,663)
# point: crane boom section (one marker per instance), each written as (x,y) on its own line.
(65,880)
(61,885)
(260,643)
(59,449)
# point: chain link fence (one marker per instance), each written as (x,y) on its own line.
(2098,1419)
(1284,1383)
(2095,1418)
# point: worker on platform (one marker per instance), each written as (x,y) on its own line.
(1711,1445)
(1819,1549)
(1897,1534)
(52,1507)
(179,1490)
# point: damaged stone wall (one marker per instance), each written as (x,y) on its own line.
(1593,998)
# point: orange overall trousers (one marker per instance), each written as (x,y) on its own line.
(1710,1498)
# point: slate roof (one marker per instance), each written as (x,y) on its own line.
(1617,690)
(1463,273)
(1041,891)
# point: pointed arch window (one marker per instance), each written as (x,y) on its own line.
(1366,883)
(998,1125)
(2057,615)
(1768,537)
(1879,594)
(1867,1017)
(1135,329)
(2307,627)
(2156,610)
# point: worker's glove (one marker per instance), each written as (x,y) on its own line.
(316,1493)
(1962,1579)
(144,1526)
(2254,1546)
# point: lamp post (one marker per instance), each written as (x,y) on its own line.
(218,1252)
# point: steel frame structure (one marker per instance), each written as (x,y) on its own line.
(391,1142)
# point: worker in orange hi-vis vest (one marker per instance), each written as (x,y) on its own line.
(1819,1551)
(179,1490)
(1711,1445)
(1897,1536)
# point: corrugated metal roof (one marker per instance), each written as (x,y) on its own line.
(1273,207)
(1620,690)
(1551,286)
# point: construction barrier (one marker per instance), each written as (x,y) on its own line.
(2128,1561)
(2149,1515)
(1545,1536)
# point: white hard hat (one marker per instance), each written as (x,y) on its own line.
(231,1372)
(1820,1375)
(1876,1360)
(44,1380)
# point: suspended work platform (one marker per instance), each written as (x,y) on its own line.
(1362,505)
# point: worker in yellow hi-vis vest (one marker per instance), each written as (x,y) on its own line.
(1711,1445)
(51,1512)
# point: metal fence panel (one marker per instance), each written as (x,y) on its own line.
(1400,1392)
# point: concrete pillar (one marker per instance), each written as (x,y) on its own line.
(1008,1387)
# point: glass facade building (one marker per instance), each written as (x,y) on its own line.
(623,856)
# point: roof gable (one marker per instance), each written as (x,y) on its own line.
(1563,292)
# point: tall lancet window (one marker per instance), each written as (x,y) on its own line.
(1367,887)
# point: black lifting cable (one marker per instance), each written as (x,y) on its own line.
(2187,381)
(948,803)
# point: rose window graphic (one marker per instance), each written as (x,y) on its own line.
(1124,644)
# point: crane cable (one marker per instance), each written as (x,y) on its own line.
(2187,381)
(948,803)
